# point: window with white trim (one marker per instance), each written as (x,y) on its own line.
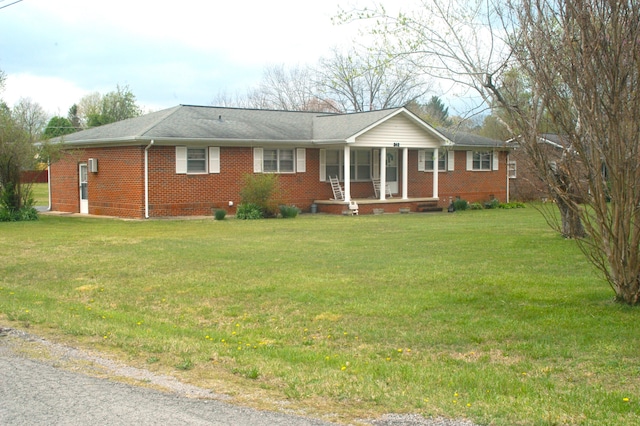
(429,160)
(333,163)
(360,164)
(482,160)
(278,161)
(513,170)
(196,160)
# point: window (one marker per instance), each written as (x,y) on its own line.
(278,161)
(192,160)
(333,163)
(196,160)
(360,164)
(482,160)
(442,160)
(512,170)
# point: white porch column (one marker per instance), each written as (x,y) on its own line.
(405,173)
(436,167)
(383,173)
(347,173)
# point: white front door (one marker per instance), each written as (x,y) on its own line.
(84,195)
(392,170)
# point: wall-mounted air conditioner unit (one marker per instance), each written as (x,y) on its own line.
(93,165)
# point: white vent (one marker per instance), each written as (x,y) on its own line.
(93,165)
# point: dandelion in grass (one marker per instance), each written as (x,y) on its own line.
(400,350)
(468,404)
(625,399)
(344,367)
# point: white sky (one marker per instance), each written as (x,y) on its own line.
(168,53)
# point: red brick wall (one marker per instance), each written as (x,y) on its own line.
(117,189)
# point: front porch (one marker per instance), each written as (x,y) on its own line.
(374,205)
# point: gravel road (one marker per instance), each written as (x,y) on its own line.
(36,390)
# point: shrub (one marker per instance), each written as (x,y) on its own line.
(249,211)
(220,214)
(460,204)
(475,206)
(493,204)
(512,205)
(8,212)
(289,211)
(262,190)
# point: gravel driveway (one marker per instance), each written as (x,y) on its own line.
(37,391)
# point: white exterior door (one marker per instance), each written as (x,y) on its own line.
(84,194)
(392,170)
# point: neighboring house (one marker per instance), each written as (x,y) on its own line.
(191,160)
(525,183)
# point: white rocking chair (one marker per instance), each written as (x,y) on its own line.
(376,188)
(338,192)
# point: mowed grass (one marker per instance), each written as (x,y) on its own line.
(486,315)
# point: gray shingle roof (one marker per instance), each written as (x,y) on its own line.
(188,122)
(464,139)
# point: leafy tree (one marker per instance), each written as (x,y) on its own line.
(580,65)
(74,117)
(17,152)
(58,126)
(114,106)
(433,112)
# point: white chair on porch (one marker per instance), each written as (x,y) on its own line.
(353,208)
(376,189)
(338,192)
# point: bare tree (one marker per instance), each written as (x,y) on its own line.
(580,64)
(31,117)
(366,81)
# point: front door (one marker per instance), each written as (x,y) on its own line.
(84,195)
(392,170)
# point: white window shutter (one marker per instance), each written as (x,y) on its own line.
(257,160)
(496,160)
(469,160)
(451,160)
(301,156)
(422,158)
(323,165)
(214,159)
(181,159)
(376,164)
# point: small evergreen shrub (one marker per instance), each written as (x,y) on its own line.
(512,205)
(289,211)
(493,204)
(220,214)
(8,211)
(248,211)
(475,206)
(460,204)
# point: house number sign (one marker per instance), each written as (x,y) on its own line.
(396,144)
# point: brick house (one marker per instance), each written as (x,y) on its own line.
(190,160)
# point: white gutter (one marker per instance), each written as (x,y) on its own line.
(146,179)
(49,183)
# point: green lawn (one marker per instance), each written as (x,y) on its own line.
(487,315)
(40,193)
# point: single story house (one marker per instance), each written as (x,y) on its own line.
(191,160)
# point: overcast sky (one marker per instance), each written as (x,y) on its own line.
(167,52)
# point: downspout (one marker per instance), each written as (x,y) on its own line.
(508,178)
(146,179)
(49,183)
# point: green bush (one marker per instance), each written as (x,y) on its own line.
(289,211)
(512,205)
(220,214)
(262,190)
(493,204)
(475,206)
(460,204)
(249,211)
(8,201)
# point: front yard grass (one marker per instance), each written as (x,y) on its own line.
(487,315)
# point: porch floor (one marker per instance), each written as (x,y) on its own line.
(375,205)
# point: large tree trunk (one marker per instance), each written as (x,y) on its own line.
(571,223)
